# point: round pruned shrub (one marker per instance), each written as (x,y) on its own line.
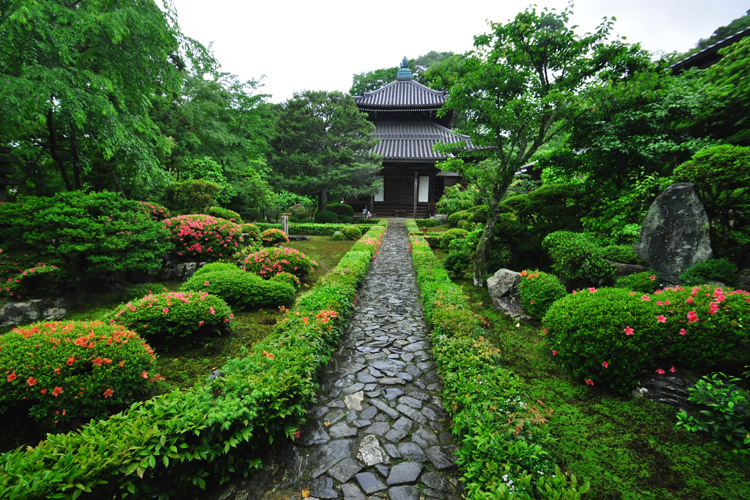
(64,370)
(298,213)
(165,317)
(621,253)
(286,277)
(204,236)
(345,212)
(539,290)
(450,235)
(352,232)
(338,236)
(605,337)
(242,290)
(215,266)
(270,261)
(155,211)
(225,213)
(575,257)
(721,270)
(645,282)
(326,217)
(134,292)
(251,232)
(35,281)
(274,237)
(458,261)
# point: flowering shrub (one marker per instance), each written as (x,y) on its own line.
(203,236)
(285,277)
(270,261)
(352,232)
(251,231)
(242,290)
(539,290)
(273,237)
(338,236)
(34,281)
(155,211)
(645,282)
(611,335)
(576,258)
(225,213)
(73,369)
(167,316)
(84,232)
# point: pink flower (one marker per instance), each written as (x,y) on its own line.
(201,323)
(645,297)
(592,289)
(682,331)
(165,310)
(628,331)
(692,317)
(605,364)
(713,308)
(673,369)
(661,318)
(589,382)
(206,283)
(211,310)
(554,352)
(660,371)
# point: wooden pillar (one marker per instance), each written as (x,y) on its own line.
(416,193)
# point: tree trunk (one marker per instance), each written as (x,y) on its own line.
(482,251)
(323,200)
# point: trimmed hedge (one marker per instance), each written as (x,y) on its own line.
(242,290)
(66,370)
(312,229)
(175,442)
(502,439)
(225,213)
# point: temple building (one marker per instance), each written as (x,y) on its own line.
(405,116)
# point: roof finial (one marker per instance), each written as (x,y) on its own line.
(404,73)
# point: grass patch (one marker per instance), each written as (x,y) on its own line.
(626,448)
(325,251)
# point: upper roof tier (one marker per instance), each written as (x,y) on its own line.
(404,95)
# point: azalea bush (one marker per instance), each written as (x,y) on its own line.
(38,280)
(225,213)
(270,261)
(203,236)
(166,317)
(174,443)
(538,291)
(66,370)
(645,282)
(610,336)
(84,233)
(251,232)
(352,232)
(155,211)
(313,229)
(290,278)
(273,237)
(326,217)
(242,290)
(621,253)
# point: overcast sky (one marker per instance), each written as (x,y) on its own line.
(319,44)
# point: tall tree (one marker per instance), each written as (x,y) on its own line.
(322,146)
(519,87)
(76,83)
(373,80)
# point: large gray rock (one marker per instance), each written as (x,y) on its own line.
(14,314)
(674,234)
(503,288)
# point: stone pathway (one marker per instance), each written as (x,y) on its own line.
(378,428)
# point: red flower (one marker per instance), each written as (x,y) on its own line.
(43,391)
(12,377)
(108,393)
(682,331)
(554,352)
(660,371)
(144,374)
(31,381)
(628,331)
(673,369)
(71,360)
(57,371)
(605,364)
(269,355)
(297,434)
(98,361)
(57,391)
(589,382)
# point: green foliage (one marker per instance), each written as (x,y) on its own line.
(429,222)
(84,233)
(326,217)
(270,261)
(576,257)
(555,207)
(155,211)
(458,261)
(72,370)
(456,198)
(322,146)
(298,213)
(539,290)
(503,440)
(721,175)
(192,196)
(134,292)
(203,236)
(723,414)
(312,229)
(343,210)
(640,282)
(175,442)
(215,266)
(252,231)
(273,237)
(610,336)
(711,270)
(352,232)
(338,236)
(241,290)
(170,316)
(225,213)
(40,280)
(206,169)
(450,235)
(289,278)
(621,253)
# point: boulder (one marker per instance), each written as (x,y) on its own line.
(742,282)
(503,288)
(623,269)
(675,233)
(14,314)
(667,389)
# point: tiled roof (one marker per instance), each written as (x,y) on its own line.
(402,94)
(412,141)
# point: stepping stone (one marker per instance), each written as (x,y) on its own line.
(384,408)
(371,453)
(346,469)
(352,492)
(413,414)
(330,454)
(368,413)
(403,493)
(354,401)
(404,473)
(369,482)
(424,438)
(437,481)
(342,430)
(314,433)
(442,456)
(392,393)
(410,401)
(411,451)
(378,428)
(322,488)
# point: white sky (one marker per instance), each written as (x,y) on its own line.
(320,44)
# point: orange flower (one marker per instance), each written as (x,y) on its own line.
(57,391)
(269,355)
(12,377)
(108,393)
(144,374)
(31,381)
